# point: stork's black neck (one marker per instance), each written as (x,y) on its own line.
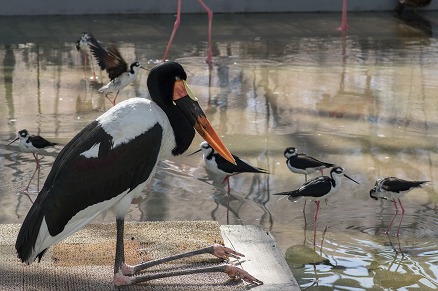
(160,84)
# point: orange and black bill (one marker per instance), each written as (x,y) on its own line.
(185,99)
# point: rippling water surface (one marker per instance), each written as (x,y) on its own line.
(366,101)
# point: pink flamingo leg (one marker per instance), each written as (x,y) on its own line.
(401,218)
(344,25)
(175,28)
(176,25)
(392,221)
(315,219)
(210,20)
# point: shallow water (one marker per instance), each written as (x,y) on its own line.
(366,101)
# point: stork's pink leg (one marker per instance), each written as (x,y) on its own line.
(210,20)
(175,28)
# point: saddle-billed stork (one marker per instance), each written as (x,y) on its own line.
(111,161)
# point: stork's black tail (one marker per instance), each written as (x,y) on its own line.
(28,234)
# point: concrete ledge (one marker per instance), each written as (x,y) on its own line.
(81,7)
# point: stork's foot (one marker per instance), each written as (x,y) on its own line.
(225,253)
(121,280)
(239,274)
(128,275)
(234,272)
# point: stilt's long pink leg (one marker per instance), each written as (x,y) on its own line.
(392,221)
(401,218)
(315,219)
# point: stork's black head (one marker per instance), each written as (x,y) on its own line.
(161,81)
(168,88)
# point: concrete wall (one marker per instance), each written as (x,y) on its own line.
(66,7)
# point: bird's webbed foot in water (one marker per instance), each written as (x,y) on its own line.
(128,275)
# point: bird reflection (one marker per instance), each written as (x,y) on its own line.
(87,100)
(398,244)
(229,201)
(260,194)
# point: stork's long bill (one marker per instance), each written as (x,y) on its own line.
(186,100)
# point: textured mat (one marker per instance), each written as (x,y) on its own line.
(85,260)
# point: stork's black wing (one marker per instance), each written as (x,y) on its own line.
(79,179)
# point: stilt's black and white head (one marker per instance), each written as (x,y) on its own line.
(338,172)
(82,43)
(206,148)
(31,143)
(22,135)
(135,66)
(375,189)
(290,152)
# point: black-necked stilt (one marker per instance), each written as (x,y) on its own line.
(176,25)
(322,187)
(83,45)
(34,144)
(392,188)
(118,71)
(216,164)
(109,163)
(303,164)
